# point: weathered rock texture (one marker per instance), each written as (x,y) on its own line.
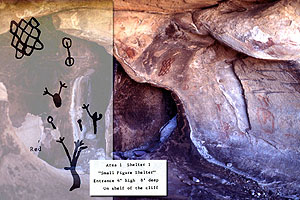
(190,176)
(16,10)
(162,6)
(268,30)
(242,112)
(242,118)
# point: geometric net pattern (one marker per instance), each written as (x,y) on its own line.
(26,37)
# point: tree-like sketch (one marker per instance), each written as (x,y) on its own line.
(73,161)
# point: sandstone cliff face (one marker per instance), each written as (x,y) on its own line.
(232,65)
(243,112)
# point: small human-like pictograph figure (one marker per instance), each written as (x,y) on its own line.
(67,43)
(26,37)
(94,117)
(56,96)
(73,161)
(50,121)
(80,124)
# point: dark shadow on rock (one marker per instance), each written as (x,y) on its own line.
(140,110)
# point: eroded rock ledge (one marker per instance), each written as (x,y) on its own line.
(262,30)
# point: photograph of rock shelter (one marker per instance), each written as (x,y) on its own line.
(213,87)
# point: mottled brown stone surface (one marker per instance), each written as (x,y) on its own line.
(231,124)
(16,10)
(162,6)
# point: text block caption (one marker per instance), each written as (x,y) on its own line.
(128,178)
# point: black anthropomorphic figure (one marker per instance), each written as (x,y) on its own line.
(56,96)
(73,161)
(94,117)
